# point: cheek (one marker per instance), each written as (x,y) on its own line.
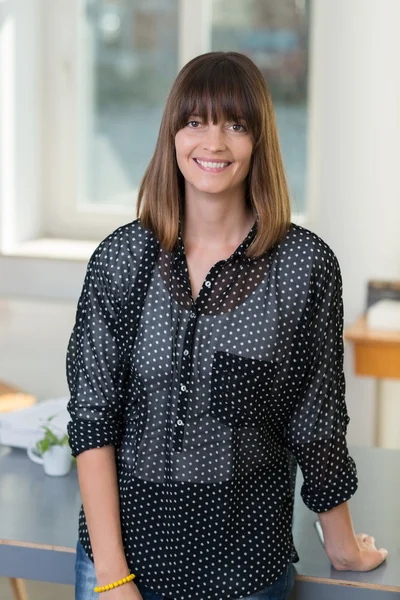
(183,145)
(244,152)
(246,159)
(179,150)
(245,165)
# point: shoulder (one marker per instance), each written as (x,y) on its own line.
(117,258)
(302,248)
(123,247)
(127,242)
(305,269)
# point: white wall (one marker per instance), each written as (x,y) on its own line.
(354,187)
(36,277)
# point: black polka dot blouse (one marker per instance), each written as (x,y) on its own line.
(224,393)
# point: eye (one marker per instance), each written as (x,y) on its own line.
(193,124)
(238,127)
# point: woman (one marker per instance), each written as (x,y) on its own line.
(207,351)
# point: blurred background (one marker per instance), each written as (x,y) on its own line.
(82,89)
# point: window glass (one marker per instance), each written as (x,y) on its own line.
(275,36)
(128,63)
(129,60)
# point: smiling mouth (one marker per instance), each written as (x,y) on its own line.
(212,166)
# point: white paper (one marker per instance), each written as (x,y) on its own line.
(385,314)
(23,427)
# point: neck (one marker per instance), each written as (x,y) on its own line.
(213,223)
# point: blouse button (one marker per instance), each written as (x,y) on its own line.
(185,352)
(208,283)
(183,388)
(179,422)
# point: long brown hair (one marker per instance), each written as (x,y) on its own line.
(230,86)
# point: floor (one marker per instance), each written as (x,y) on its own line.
(33,340)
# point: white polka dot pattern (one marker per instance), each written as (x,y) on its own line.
(224,391)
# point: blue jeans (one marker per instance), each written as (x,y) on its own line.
(86,581)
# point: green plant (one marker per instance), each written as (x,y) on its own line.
(50,438)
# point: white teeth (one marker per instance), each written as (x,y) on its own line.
(212,165)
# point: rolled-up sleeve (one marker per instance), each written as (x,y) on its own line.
(93,365)
(316,432)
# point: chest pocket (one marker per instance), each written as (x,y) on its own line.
(241,389)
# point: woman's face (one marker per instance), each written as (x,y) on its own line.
(213,158)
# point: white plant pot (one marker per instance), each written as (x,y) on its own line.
(56,461)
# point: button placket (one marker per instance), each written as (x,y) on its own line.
(184,385)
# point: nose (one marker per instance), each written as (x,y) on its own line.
(214,140)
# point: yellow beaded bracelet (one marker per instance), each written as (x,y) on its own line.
(105,588)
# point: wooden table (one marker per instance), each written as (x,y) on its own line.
(376,354)
(13,398)
(39,524)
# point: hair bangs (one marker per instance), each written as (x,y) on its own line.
(216,92)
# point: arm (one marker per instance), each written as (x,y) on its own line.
(346,551)
(317,427)
(95,427)
(102,517)
(103,520)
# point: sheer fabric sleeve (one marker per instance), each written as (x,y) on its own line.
(93,364)
(316,432)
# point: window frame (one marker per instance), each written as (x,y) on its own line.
(67,97)
(39,179)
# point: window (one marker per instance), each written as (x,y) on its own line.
(109,65)
(275,36)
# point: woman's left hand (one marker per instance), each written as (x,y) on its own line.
(367,558)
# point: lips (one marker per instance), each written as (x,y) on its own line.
(213,166)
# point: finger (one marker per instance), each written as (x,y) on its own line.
(375,559)
(369,539)
(380,557)
(384,553)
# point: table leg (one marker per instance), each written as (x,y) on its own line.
(378,413)
(18,588)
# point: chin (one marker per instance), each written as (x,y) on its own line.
(211,190)
(210,187)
